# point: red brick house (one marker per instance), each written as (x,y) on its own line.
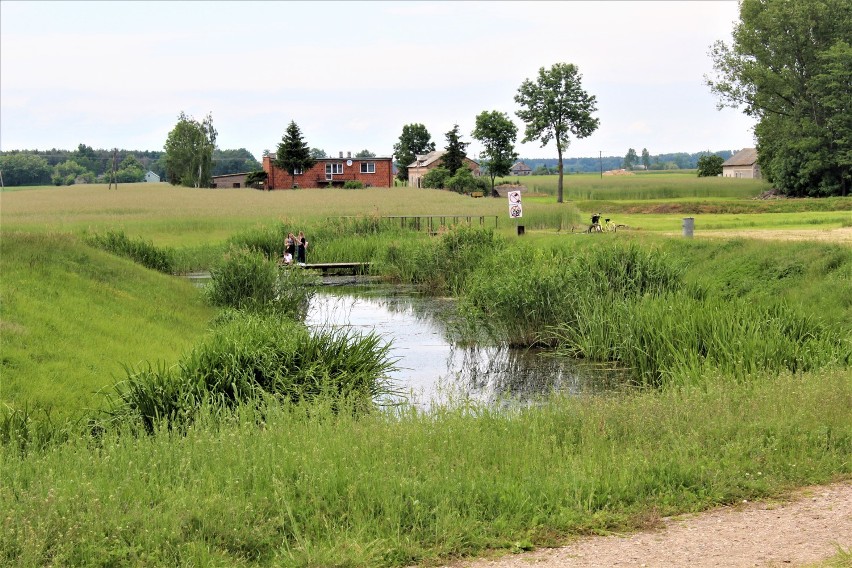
(332,172)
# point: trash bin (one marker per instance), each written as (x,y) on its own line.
(520,230)
(688,226)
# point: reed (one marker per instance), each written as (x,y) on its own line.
(248,357)
(244,279)
(138,250)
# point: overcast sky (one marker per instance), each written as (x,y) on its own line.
(352,74)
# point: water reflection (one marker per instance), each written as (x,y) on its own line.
(434,365)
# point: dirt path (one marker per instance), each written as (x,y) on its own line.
(806,528)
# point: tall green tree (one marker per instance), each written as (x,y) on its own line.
(710,165)
(630,159)
(415,140)
(646,159)
(497,134)
(189,151)
(555,106)
(318,153)
(789,67)
(293,153)
(365,154)
(455,154)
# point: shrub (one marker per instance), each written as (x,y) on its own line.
(353,184)
(139,250)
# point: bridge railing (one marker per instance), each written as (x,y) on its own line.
(434,223)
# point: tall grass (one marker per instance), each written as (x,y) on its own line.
(676,338)
(521,292)
(442,265)
(249,280)
(139,250)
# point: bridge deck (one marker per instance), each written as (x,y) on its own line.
(337,267)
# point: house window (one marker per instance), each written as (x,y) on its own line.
(333,168)
(298,171)
(368,167)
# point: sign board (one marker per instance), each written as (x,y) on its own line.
(516,210)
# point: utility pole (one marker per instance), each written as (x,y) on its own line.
(600,160)
(112,177)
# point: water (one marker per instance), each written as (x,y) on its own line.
(433,366)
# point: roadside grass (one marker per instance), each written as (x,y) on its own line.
(307,486)
(73,315)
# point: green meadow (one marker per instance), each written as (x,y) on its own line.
(147,422)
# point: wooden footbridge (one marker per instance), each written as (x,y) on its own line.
(328,268)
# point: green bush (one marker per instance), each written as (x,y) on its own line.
(139,250)
(353,184)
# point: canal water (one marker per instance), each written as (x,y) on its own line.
(435,365)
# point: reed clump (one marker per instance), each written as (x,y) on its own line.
(138,250)
(249,357)
(250,280)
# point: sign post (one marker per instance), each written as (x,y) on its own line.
(516,209)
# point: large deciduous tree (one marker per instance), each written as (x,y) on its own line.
(710,165)
(415,140)
(646,159)
(293,153)
(453,158)
(189,152)
(790,67)
(497,134)
(555,106)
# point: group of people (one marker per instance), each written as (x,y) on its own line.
(295,247)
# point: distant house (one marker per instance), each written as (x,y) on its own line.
(421,166)
(332,172)
(743,164)
(521,169)
(230,180)
(151,177)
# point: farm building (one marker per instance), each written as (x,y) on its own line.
(151,177)
(521,169)
(424,163)
(332,172)
(743,164)
(230,180)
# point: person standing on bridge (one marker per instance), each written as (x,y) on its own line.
(302,244)
(290,245)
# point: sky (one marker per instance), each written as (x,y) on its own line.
(352,74)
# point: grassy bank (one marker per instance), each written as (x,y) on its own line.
(303,486)
(73,316)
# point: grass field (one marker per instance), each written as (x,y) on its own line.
(273,484)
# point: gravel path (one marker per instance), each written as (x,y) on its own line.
(806,528)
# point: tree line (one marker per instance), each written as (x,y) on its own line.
(669,161)
(89,165)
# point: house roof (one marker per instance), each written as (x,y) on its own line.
(520,166)
(745,157)
(426,160)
